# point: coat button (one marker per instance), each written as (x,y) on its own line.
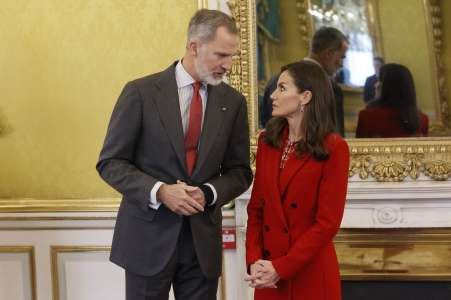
(266,228)
(294,205)
(266,253)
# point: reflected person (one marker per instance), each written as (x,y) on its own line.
(369,89)
(177,149)
(395,112)
(328,49)
(299,192)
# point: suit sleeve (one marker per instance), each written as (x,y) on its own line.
(254,234)
(236,174)
(331,202)
(266,105)
(116,162)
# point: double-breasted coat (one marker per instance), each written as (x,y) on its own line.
(292,220)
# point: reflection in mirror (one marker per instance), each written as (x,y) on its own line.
(374,28)
(350,17)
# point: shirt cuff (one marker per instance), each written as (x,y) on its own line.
(154,203)
(215,195)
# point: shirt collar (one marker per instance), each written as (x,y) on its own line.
(182,76)
(313,61)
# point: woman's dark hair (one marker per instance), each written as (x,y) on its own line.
(398,91)
(319,114)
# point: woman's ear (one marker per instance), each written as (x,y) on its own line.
(306,97)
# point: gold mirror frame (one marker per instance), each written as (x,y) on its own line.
(371,159)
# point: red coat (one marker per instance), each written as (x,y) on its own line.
(385,122)
(295,231)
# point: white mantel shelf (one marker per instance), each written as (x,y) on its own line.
(412,204)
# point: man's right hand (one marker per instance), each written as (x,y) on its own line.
(176,197)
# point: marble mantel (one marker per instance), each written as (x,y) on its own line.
(415,204)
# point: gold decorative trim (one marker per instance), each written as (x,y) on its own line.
(398,159)
(432,9)
(54,250)
(243,76)
(55,228)
(390,243)
(305,21)
(59,218)
(202,4)
(32,263)
(58,205)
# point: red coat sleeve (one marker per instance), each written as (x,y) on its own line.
(254,234)
(331,202)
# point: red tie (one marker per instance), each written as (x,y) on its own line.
(194,128)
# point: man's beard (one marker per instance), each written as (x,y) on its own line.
(204,74)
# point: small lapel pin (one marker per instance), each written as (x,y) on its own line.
(223,108)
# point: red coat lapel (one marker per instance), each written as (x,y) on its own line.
(292,167)
(273,180)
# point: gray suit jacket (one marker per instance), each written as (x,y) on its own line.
(144,144)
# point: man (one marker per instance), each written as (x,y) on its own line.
(369,89)
(328,49)
(177,148)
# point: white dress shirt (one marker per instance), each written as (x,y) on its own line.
(185,91)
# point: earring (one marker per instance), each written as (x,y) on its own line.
(302,108)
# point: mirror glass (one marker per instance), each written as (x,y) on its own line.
(395,30)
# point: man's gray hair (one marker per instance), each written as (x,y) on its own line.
(205,22)
(327,37)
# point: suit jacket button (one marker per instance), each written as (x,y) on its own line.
(266,253)
(266,228)
(294,205)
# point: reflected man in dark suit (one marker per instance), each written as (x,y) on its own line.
(369,89)
(177,149)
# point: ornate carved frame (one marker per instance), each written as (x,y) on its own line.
(371,159)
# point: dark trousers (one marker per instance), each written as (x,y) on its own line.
(183,272)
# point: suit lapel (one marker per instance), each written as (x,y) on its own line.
(169,109)
(214,115)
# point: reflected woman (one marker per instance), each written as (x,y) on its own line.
(299,192)
(394,113)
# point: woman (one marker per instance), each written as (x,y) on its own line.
(395,112)
(299,192)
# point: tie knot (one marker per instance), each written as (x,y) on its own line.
(196,86)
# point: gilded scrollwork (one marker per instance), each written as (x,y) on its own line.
(396,160)
(389,170)
(361,165)
(438,170)
(414,163)
(243,74)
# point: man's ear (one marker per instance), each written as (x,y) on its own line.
(329,52)
(193,47)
